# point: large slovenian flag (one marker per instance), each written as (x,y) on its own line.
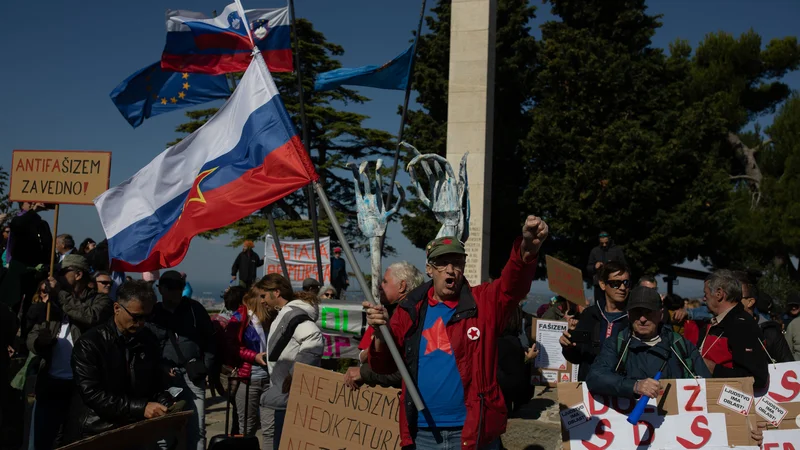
(246,157)
(198,44)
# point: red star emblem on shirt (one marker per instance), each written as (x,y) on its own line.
(437,338)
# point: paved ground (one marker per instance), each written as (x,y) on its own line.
(533,427)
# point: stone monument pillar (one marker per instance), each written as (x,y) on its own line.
(470,116)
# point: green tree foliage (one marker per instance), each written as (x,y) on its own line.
(616,146)
(427,128)
(767,235)
(336,138)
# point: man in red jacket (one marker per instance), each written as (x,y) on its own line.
(447,332)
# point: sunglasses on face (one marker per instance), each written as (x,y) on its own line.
(616,284)
(327,295)
(441,264)
(104,282)
(135,317)
(65,271)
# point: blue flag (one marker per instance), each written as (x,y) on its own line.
(392,75)
(151,91)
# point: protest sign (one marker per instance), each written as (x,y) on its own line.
(682,417)
(323,413)
(565,280)
(343,324)
(778,406)
(301,259)
(142,434)
(781,440)
(550,365)
(56,176)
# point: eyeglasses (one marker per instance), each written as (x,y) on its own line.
(441,264)
(135,317)
(65,271)
(104,282)
(616,284)
(327,295)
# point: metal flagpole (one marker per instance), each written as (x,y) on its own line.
(268,211)
(411,388)
(403,116)
(312,207)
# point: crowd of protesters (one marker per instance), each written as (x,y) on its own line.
(103,352)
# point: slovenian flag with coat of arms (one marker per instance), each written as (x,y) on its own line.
(220,45)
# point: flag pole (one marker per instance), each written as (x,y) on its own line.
(404,114)
(272,229)
(312,207)
(411,388)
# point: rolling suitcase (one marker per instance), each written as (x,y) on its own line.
(234,442)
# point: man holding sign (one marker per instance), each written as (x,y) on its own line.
(448,333)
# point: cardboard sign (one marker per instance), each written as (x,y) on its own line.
(301,259)
(565,280)
(735,400)
(139,435)
(56,176)
(550,367)
(770,410)
(674,420)
(324,413)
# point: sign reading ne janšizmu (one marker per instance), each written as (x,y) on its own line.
(59,176)
(323,413)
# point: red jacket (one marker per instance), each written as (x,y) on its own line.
(474,330)
(236,353)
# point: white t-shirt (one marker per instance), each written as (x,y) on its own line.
(60,366)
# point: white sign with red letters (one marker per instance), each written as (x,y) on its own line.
(784,382)
(781,440)
(692,396)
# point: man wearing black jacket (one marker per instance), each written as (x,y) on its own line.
(246,264)
(730,344)
(600,321)
(186,336)
(116,365)
(759,304)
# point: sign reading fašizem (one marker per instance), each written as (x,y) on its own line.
(59,176)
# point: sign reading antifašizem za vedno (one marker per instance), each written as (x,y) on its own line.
(59,176)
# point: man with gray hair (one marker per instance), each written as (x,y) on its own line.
(731,344)
(398,280)
(65,245)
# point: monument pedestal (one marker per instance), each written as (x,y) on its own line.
(470,115)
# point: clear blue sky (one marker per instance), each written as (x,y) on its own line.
(58,75)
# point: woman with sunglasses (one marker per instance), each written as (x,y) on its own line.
(582,342)
(327,293)
(102,282)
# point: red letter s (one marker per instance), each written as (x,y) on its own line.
(789,385)
(702,432)
(602,430)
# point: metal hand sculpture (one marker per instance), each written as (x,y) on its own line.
(372,214)
(449,199)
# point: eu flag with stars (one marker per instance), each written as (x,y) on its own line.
(151,91)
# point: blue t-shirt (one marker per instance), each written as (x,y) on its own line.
(439,380)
